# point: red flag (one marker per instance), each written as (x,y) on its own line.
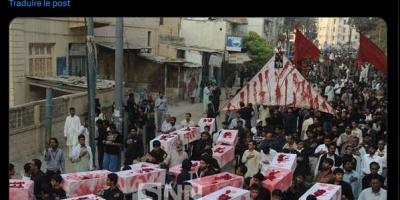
(303,50)
(369,52)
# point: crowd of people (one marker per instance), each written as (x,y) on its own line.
(347,149)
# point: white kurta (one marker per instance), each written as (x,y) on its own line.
(266,157)
(305,126)
(329,91)
(263,114)
(206,100)
(173,161)
(252,164)
(71,130)
(85,132)
(84,163)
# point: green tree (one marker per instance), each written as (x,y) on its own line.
(257,49)
(307,25)
(375,28)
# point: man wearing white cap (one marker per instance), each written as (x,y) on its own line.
(254,129)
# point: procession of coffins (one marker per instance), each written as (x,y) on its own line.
(305,144)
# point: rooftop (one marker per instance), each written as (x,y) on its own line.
(236,20)
(160,59)
(68,83)
(198,48)
(127,45)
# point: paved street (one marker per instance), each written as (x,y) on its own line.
(177,109)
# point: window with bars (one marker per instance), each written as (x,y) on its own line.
(149,38)
(77,59)
(40,59)
(180,53)
(161,21)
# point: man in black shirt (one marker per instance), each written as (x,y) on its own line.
(241,145)
(247,114)
(46,193)
(205,168)
(216,93)
(275,120)
(298,187)
(347,193)
(278,139)
(330,154)
(113,192)
(134,147)
(157,155)
(290,122)
(334,133)
(258,179)
(201,145)
(11,170)
(214,162)
(39,178)
(255,193)
(211,111)
(102,135)
(57,191)
(374,168)
(132,109)
(112,149)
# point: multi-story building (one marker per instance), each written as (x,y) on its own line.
(207,44)
(336,32)
(50,47)
(36,47)
(267,27)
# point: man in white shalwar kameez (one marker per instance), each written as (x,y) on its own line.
(82,156)
(306,123)
(251,159)
(364,74)
(71,129)
(206,95)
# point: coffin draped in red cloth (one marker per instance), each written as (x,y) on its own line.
(19,189)
(206,185)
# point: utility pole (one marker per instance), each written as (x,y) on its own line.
(119,57)
(118,73)
(48,108)
(351,29)
(91,85)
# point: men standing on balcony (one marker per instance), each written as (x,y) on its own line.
(71,129)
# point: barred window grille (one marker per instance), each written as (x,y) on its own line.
(40,59)
(20,118)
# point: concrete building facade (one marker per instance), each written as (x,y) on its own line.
(206,39)
(267,27)
(56,46)
(335,32)
(35,44)
(204,33)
